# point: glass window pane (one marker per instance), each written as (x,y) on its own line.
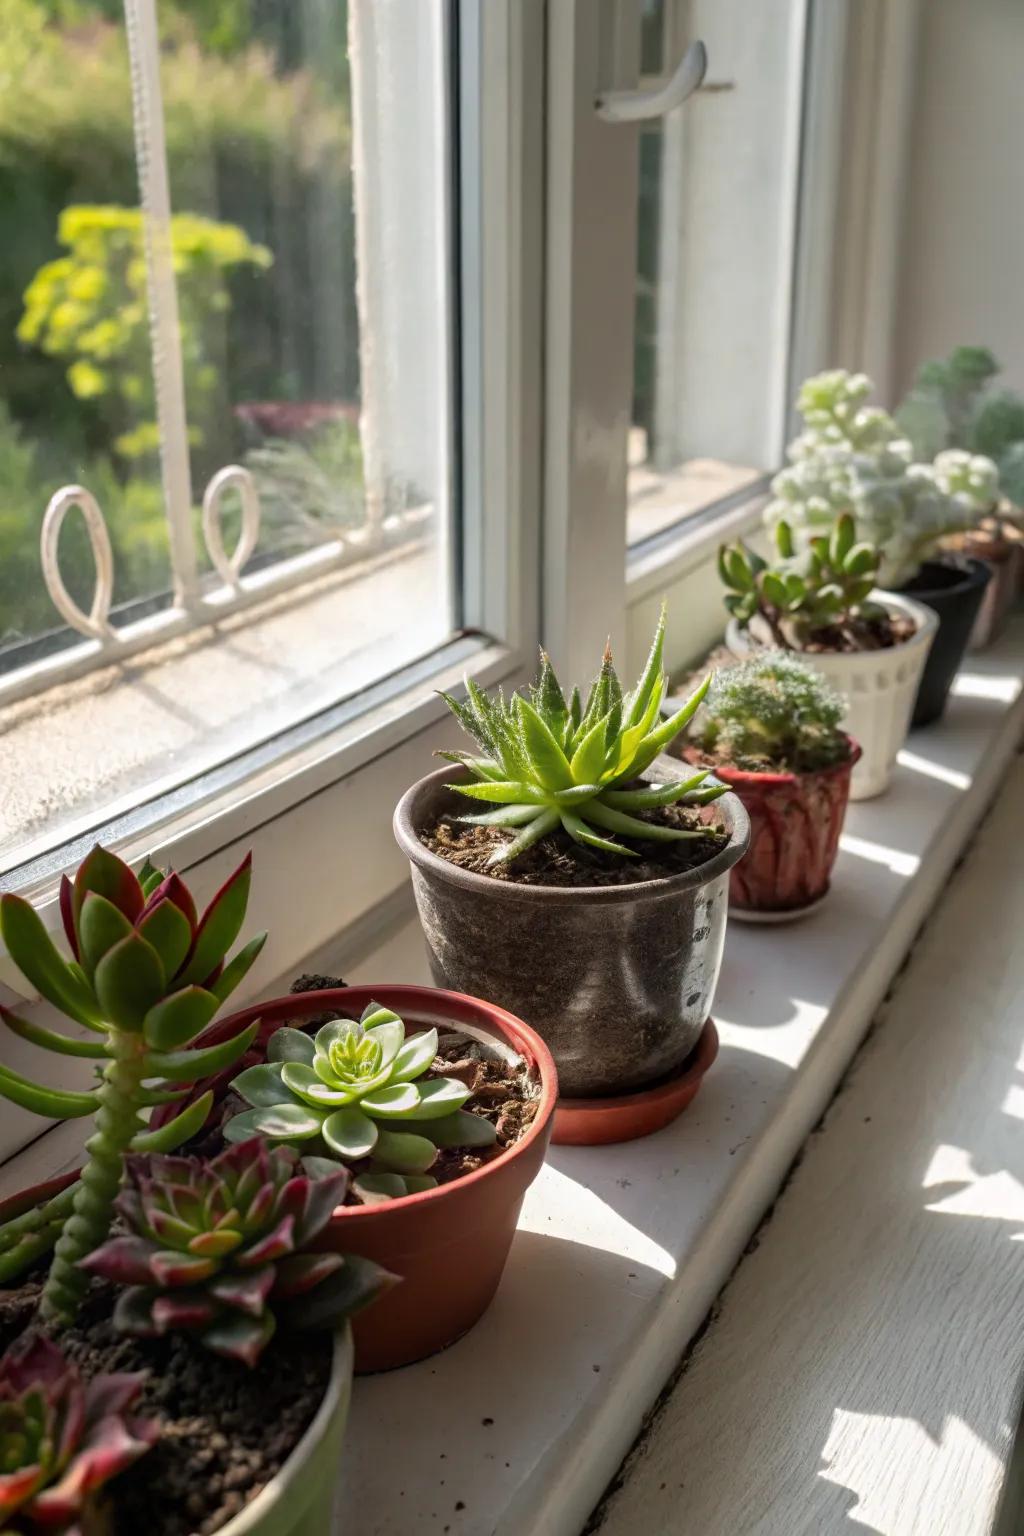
(716,226)
(314,304)
(75,360)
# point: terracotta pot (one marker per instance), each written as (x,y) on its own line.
(617,978)
(954,589)
(628,1116)
(449,1244)
(795,821)
(879,688)
(1005,557)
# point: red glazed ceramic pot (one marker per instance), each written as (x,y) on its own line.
(795,822)
(448,1244)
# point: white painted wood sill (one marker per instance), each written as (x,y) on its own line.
(516,1430)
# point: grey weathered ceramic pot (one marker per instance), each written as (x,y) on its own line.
(617,979)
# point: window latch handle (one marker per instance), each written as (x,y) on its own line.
(656,101)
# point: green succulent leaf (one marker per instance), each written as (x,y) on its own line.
(414,1056)
(49,1040)
(278,1122)
(504,793)
(396,1101)
(547,759)
(175,1133)
(38,959)
(54,1103)
(100,926)
(349,1132)
(220,924)
(177,1019)
(462,1129)
(129,981)
(632,826)
(581,833)
(262,1086)
(201,1061)
(168,930)
(289,1044)
(403,1151)
(237,968)
(544,822)
(436,1097)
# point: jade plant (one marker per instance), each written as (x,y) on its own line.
(825,586)
(224,1249)
(547,763)
(852,457)
(953,404)
(61,1438)
(773,711)
(357,1091)
(147,976)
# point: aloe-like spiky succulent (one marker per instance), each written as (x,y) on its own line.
(61,1438)
(549,763)
(223,1249)
(148,975)
(357,1091)
(827,584)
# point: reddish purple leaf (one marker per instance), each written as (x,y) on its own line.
(245,1292)
(103,872)
(302,1271)
(67,913)
(113,1445)
(16,1487)
(220,924)
(183,1309)
(171,1268)
(270,1248)
(123,1260)
(239,1337)
(174,889)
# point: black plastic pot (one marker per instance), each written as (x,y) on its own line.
(954,588)
(617,979)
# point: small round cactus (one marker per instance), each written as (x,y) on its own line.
(773,711)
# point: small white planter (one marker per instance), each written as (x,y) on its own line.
(300,1500)
(879,688)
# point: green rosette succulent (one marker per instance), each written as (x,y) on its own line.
(146,977)
(952,406)
(225,1249)
(548,763)
(357,1091)
(61,1438)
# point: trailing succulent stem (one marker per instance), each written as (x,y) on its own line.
(796,594)
(547,762)
(147,977)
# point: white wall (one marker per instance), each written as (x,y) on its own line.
(962,260)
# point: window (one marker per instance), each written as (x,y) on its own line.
(716,233)
(227,312)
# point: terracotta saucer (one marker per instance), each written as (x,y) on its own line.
(594,1122)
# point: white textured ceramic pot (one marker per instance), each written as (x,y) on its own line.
(879,687)
(299,1501)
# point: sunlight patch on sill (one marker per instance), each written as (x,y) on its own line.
(905,864)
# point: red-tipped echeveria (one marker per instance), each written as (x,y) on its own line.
(147,976)
(222,1249)
(61,1438)
(356,1091)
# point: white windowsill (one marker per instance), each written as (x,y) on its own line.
(622,1250)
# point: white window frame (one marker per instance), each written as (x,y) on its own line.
(547,268)
(334,781)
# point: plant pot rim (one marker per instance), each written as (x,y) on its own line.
(250,1519)
(974,572)
(737,636)
(405,828)
(524,1040)
(748,778)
